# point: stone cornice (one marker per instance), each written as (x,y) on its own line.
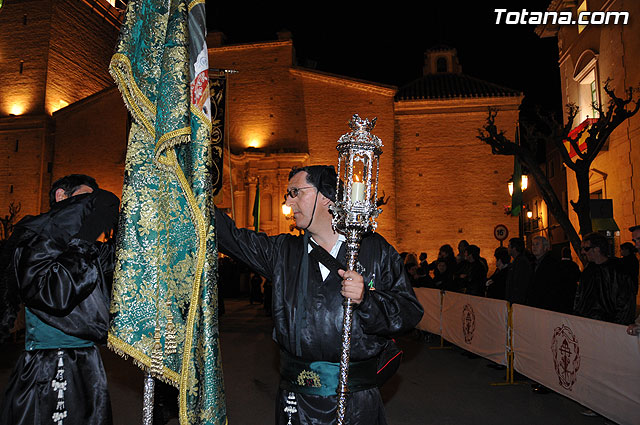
(440,106)
(354,83)
(23,122)
(251,46)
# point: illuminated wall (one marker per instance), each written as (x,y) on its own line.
(597,53)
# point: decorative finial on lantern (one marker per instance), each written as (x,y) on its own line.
(359,124)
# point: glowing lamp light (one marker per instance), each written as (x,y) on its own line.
(529,214)
(255,143)
(286,209)
(524,183)
(16,109)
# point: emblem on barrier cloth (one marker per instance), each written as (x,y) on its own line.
(468,323)
(308,378)
(566,356)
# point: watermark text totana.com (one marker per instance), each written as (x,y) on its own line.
(524,17)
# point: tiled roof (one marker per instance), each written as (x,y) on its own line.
(452,86)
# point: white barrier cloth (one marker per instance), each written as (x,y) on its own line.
(429,299)
(594,363)
(476,324)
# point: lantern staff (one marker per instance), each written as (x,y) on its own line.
(354,214)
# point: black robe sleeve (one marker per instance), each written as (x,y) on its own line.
(392,307)
(56,280)
(256,250)
(65,281)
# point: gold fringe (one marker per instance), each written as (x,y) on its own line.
(200,228)
(172,139)
(141,360)
(195,3)
(140,106)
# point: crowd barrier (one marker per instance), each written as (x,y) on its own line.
(594,363)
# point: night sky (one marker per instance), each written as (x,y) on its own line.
(386,45)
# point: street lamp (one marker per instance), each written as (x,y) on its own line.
(524,183)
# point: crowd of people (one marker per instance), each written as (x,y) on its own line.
(605,289)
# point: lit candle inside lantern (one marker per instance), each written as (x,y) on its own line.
(357,192)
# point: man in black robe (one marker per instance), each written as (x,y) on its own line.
(56,266)
(308,304)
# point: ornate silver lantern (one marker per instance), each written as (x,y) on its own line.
(355,213)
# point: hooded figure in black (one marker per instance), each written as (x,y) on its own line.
(54,264)
(307,304)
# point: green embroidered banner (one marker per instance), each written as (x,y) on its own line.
(165,291)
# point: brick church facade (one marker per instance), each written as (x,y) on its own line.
(441,182)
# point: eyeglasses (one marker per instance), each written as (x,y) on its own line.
(294,191)
(586,248)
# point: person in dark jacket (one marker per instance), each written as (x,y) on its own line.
(605,291)
(544,291)
(475,277)
(308,304)
(520,273)
(443,280)
(496,285)
(61,267)
(630,262)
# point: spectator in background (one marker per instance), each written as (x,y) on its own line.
(634,328)
(630,262)
(423,264)
(606,290)
(569,277)
(497,283)
(255,289)
(445,253)
(520,273)
(476,275)
(544,291)
(443,279)
(462,245)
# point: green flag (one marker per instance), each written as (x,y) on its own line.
(516,198)
(164,304)
(256,209)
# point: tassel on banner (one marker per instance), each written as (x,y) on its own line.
(170,343)
(156,355)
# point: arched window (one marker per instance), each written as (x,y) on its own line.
(441,64)
(586,75)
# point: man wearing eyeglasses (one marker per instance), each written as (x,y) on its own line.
(605,291)
(308,300)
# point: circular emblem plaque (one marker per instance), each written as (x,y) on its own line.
(566,356)
(468,323)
